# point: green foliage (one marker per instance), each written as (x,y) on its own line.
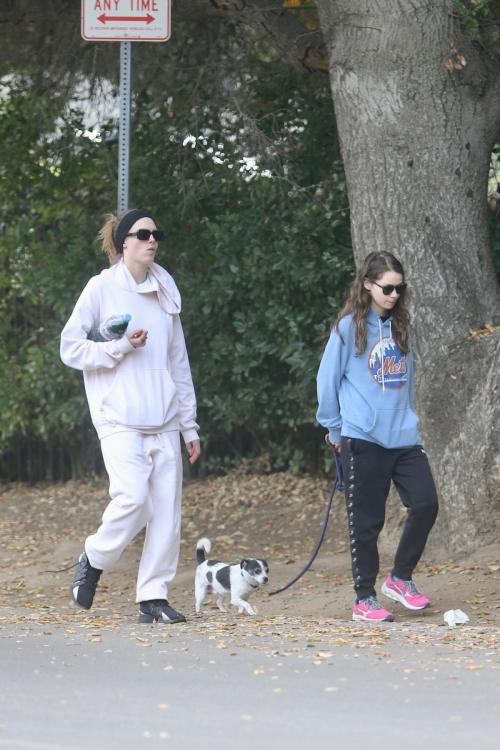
(243,173)
(261,262)
(248,185)
(48,190)
(482,17)
(259,249)
(258,308)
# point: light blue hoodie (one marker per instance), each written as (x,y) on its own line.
(368,396)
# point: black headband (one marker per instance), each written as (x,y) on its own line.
(125,224)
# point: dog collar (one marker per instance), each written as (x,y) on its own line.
(250,584)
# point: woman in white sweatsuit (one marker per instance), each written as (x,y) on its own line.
(141,396)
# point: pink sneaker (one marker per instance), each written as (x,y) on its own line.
(406,592)
(370,609)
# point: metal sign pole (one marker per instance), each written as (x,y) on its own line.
(124,140)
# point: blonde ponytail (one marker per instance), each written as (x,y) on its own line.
(107,237)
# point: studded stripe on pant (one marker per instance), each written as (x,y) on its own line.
(368,471)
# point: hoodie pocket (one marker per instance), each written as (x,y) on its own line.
(141,399)
(395,428)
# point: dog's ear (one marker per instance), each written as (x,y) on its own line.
(243,564)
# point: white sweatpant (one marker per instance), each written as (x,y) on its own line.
(145,473)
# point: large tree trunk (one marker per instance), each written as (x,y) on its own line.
(416,101)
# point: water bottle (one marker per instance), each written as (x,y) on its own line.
(112,328)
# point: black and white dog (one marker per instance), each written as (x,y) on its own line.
(235,581)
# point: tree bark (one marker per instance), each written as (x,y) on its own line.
(78,471)
(416,101)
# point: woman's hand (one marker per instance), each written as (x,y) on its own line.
(335,446)
(138,337)
(193,448)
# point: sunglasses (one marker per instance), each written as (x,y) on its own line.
(389,288)
(145,234)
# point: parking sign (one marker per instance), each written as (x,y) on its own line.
(126,20)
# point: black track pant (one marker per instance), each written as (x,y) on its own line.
(368,469)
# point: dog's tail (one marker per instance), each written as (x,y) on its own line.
(204,545)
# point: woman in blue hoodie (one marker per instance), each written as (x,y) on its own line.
(365,393)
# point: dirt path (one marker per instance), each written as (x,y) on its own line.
(276,516)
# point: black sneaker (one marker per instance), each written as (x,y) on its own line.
(159,610)
(85,580)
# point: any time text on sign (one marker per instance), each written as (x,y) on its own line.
(126,20)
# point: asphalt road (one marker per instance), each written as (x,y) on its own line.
(106,683)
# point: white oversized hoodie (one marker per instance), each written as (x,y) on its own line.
(150,388)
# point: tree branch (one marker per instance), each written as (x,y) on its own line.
(300,47)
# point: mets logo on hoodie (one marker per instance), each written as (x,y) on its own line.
(387,364)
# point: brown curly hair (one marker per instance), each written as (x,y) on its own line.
(359,301)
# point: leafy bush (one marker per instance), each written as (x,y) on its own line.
(261,255)
(249,188)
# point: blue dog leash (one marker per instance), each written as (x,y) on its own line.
(337,485)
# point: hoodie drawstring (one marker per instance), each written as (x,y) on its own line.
(382,352)
(383,348)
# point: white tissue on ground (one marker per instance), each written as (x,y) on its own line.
(455,617)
